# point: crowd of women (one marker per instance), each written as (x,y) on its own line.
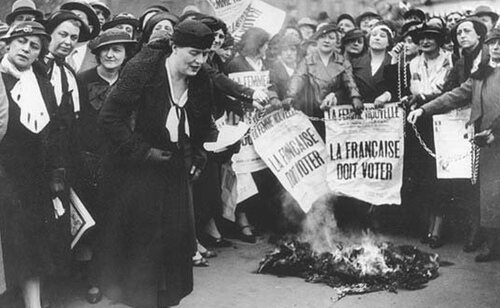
(117,109)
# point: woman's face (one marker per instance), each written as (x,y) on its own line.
(306,31)
(327,42)
(466,35)
(189,59)
(164,26)
(367,24)
(23,51)
(112,56)
(452,20)
(428,44)
(289,55)
(355,46)
(346,25)
(379,39)
(262,51)
(219,37)
(292,32)
(127,28)
(494,48)
(411,48)
(225,53)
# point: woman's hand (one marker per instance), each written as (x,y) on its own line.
(158,156)
(260,98)
(382,99)
(414,115)
(484,138)
(357,104)
(396,51)
(328,102)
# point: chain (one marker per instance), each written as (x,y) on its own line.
(475,163)
(422,142)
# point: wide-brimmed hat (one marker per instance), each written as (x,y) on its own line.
(478,25)
(429,30)
(23,7)
(110,37)
(58,17)
(149,11)
(366,15)
(122,19)
(102,6)
(493,35)
(414,12)
(486,10)
(4,28)
(25,28)
(85,7)
(346,16)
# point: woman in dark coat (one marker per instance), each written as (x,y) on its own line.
(31,165)
(148,240)
(111,48)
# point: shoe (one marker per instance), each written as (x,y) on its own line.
(208,240)
(202,262)
(209,254)
(435,242)
(93,297)
(426,239)
(247,238)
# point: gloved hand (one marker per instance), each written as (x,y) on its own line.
(415,101)
(158,156)
(484,138)
(358,105)
(329,101)
(287,103)
(382,99)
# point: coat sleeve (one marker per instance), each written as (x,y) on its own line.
(297,81)
(115,114)
(456,98)
(228,86)
(348,80)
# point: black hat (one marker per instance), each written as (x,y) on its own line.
(228,41)
(23,7)
(429,30)
(213,23)
(154,20)
(352,35)
(366,15)
(414,12)
(486,10)
(192,33)
(110,37)
(58,17)
(410,26)
(493,35)
(102,6)
(26,28)
(83,6)
(480,28)
(325,30)
(121,19)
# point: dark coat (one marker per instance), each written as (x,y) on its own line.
(148,237)
(370,85)
(458,73)
(34,243)
(279,76)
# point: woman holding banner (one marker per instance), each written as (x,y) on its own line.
(325,78)
(482,88)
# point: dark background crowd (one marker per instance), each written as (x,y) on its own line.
(115,106)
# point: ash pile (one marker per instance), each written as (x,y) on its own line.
(354,269)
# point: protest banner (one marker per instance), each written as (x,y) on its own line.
(295,153)
(81,220)
(241,15)
(365,153)
(246,187)
(247,160)
(453,148)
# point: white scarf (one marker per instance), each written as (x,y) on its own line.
(428,76)
(27,95)
(72,86)
(173,116)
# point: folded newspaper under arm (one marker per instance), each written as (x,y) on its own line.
(81,220)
